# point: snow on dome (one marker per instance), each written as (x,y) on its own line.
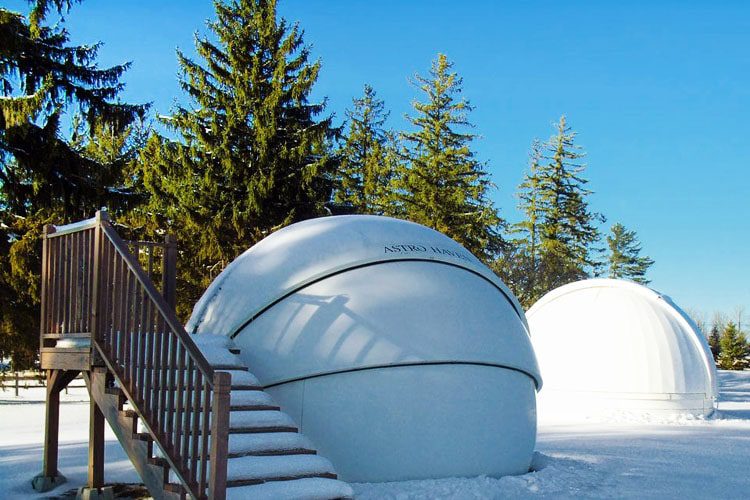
(395,350)
(608,346)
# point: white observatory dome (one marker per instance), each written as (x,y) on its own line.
(396,351)
(608,345)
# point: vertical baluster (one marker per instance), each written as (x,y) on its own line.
(80,270)
(164,370)
(149,365)
(122,299)
(61,288)
(143,354)
(112,300)
(85,293)
(117,308)
(156,372)
(206,412)
(105,297)
(180,374)
(66,285)
(172,393)
(59,284)
(134,336)
(150,261)
(133,290)
(72,289)
(194,452)
(189,386)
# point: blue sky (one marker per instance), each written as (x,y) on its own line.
(659,93)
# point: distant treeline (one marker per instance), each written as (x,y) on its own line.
(727,340)
(251,152)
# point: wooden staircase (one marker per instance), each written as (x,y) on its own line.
(189,414)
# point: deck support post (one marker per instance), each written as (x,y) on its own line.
(96,446)
(50,477)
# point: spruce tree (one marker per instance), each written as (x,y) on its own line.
(568,228)
(442,185)
(251,154)
(625,260)
(556,241)
(368,157)
(45,176)
(734,349)
(714,342)
(518,266)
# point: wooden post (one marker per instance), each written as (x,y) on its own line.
(52,425)
(97,285)
(217,484)
(96,443)
(45,317)
(169,271)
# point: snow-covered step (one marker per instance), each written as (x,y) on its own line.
(215,349)
(250,469)
(312,488)
(242,378)
(255,419)
(267,457)
(263,443)
(250,398)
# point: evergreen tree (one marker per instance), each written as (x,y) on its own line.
(624,260)
(518,267)
(734,349)
(251,154)
(44,175)
(555,242)
(367,157)
(567,228)
(714,342)
(443,185)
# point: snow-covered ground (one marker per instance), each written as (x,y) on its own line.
(619,457)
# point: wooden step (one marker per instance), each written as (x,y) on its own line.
(238,367)
(243,408)
(174,488)
(161,467)
(264,453)
(250,482)
(297,488)
(261,430)
(131,415)
(143,436)
(249,444)
(258,469)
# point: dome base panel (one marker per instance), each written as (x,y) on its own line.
(557,405)
(417,422)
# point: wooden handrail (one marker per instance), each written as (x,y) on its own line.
(168,314)
(92,282)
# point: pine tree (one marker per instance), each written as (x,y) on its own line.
(624,260)
(251,155)
(44,175)
(443,185)
(734,349)
(567,228)
(367,157)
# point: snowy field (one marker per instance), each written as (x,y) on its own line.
(621,457)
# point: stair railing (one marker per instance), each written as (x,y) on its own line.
(91,278)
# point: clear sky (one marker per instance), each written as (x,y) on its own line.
(659,93)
